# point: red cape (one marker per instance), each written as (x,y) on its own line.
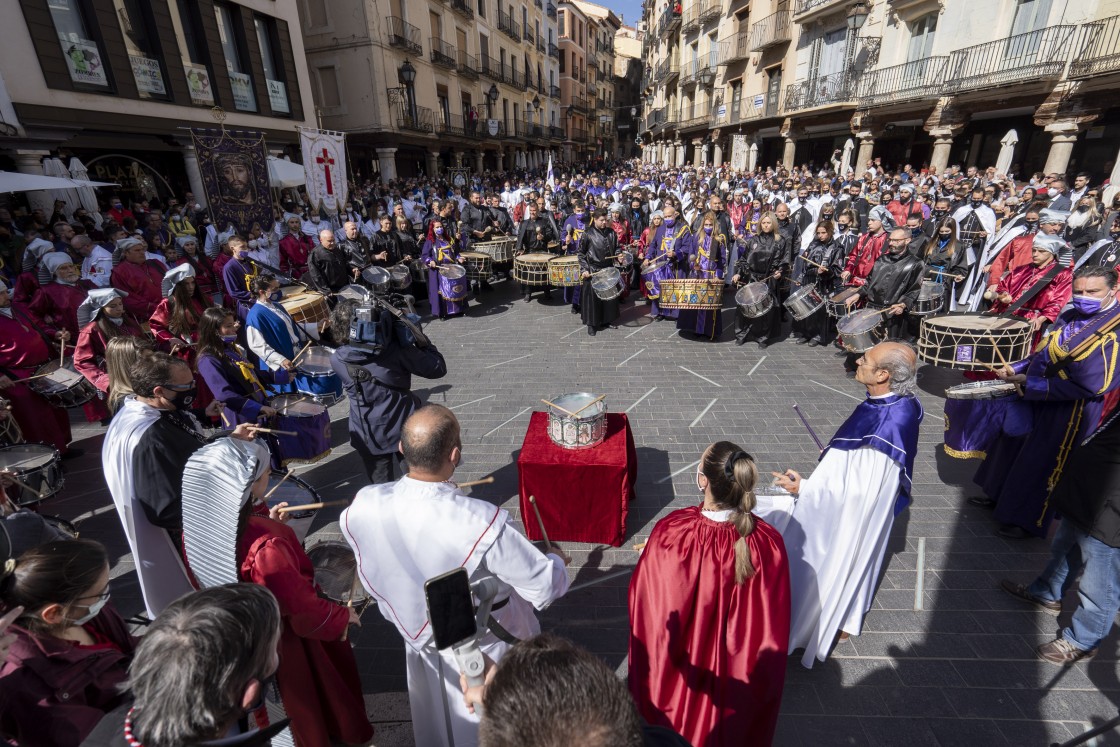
(707,655)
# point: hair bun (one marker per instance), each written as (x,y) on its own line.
(729,465)
(9,568)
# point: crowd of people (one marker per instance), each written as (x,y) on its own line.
(190,336)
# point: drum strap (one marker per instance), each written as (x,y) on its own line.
(1035,289)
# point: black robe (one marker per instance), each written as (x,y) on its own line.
(895,278)
(765,254)
(595,246)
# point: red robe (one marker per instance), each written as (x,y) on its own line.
(159,321)
(294,253)
(1016,254)
(1048,302)
(55,306)
(318,676)
(22,350)
(27,283)
(707,655)
(863,256)
(143,283)
(89,355)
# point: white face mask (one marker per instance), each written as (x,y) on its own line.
(94,611)
(698,485)
(1052,192)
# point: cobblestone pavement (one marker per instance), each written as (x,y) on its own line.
(945,657)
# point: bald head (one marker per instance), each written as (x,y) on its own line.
(430,440)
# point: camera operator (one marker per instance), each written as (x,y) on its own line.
(376,363)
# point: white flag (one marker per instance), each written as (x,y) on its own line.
(551,181)
(324,165)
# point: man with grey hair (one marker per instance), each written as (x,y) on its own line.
(97,262)
(201,673)
(837,531)
(328,267)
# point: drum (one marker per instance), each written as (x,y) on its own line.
(317,378)
(305,306)
(532,269)
(981,390)
(804,302)
(294,492)
(419,271)
(477,265)
(625,259)
(607,283)
(754,299)
(500,250)
(563,272)
(336,574)
(311,423)
(931,299)
(861,330)
(836,305)
(10,432)
(655,265)
(582,426)
(453,283)
(377,278)
(61,385)
(69,528)
(452,271)
(968,342)
(37,466)
(689,293)
(400,277)
(354,292)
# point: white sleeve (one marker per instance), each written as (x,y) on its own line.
(262,349)
(537,578)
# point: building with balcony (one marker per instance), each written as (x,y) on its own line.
(117,84)
(424,85)
(926,82)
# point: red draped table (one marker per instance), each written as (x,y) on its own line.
(582,494)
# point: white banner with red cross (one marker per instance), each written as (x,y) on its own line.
(324,165)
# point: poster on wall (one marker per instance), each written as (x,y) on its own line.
(234,166)
(84,61)
(198,83)
(149,78)
(242,92)
(277,96)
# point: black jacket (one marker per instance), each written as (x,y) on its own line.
(1088,493)
(501,219)
(387,243)
(765,255)
(595,247)
(328,270)
(895,278)
(357,250)
(527,235)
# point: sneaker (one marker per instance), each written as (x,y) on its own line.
(1020,591)
(1062,652)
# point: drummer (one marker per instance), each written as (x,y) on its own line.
(446,296)
(765,259)
(102,318)
(536,234)
(384,249)
(358,248)
(597,249)
(708,263)
(229,374)
(55,304)
(672,243)
(1048,285)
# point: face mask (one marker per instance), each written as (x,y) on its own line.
(275,296)
(843,227)
(94,611)
(1032,225)
(229,338)
(1114,233)
(439,230)
(1082,208)
(707,229)
(184,399)
(698,485)
(1087,304)
(945,236)
(940,213)
(117,320)
(975,203)
(670,221)
(1052,193)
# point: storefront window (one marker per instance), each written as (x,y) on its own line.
(244,97)
(142,45)
(273,68)
(83,54)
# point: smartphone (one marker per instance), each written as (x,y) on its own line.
(450,608)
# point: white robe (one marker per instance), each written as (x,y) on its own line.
(407,532)
(163,579)
(836,537)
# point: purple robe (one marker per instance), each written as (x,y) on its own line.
(445,296)
(577,226)
(710,263)
(681,240)
(236,274)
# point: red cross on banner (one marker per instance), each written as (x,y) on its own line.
(324,168)
(326,162)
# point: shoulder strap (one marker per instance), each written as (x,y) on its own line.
(1083,348)
(1035,289)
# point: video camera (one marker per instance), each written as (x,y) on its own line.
(375,323)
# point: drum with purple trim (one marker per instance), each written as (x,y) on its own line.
(311,423)
(453,283)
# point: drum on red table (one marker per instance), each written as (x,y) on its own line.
(37,466)
(311,424)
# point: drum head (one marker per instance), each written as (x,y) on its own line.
(751,294)
(606,278)
(336,573)
(23,457)
(931,289)
(296,405)
(316,361)
(293,491)
(625,258)
(859,322)
(800,293)
(655,265)
(568,260)
(575,402)
(376,276)
(354,292)
(453,272)
(400,274)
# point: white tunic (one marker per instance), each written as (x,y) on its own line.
(407,532)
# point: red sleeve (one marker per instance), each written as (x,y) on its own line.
(1056,295)
(86,354)
(42,308)
(160,318)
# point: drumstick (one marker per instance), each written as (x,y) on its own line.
(258,429)
(472,483)
(310,506)
(1003,361)
(22,484)
(276,487)
(300,353)
(558,407)
(641,546)
(61,353)
(36,376)
(225,420)
(805,422)
(814,264)
(600,398)
(540,523)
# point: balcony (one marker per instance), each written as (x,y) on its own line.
(690,21)
(693,118)
(666,70)
(513,77)
(540,44)
(668,22)
(528,36)
(711,10)
(577,134)
(734,49)
(579,103)
(555,133)
(443,54)
(1098,50)
(491,68)
(463,8)
(605,48)
(420,120)
(699,69)
(806,11)
(672,119)
(468,65)
(772,30)
(1023,58)
(404,36)
(553,51)
(534,131)
(583,77)
(453,124)
(600,103)
(550,9)
(507,26)
(919,79)
(554,92)
(823,90)
(655,118)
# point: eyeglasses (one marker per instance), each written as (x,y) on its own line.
(178,387)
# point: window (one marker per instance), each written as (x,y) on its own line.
(316,13)
(142,45)
(560,19)
(83,52)
(328,87)
(268,40)
(832,47)
(562,58)
(483,48)
(1030,15)
(921,37)
(237,65)
(193,50)
(736,100)
(481,8)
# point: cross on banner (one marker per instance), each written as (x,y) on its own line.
(326,162)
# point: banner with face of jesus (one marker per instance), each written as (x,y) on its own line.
(324,165)
(234,170)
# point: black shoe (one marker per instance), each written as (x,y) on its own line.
(982,501)
(841,353)
(814,343)
(660,318)
(525,298)
(1010,531)
(575,309)
(762,344)
(802,340)
(590,330)
(443,317)
(72,453)
(740,340)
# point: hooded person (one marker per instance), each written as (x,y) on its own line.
(101,318)
(205,274)
(28,281)
(141,278)
(56,302)
(226,540)
(1038,291)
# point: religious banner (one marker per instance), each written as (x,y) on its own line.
(324,165)
(739,152)
(234,166)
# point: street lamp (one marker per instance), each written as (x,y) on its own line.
(857,16)
(491,99)
(706,77)
(406,74)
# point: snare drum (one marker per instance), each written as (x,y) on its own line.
(607,283)
(419,271)
(968,342)
(563,272)
(294,492)
(500,250)
(400,277)
(304,306)
(316,377)
(754,299)
(453,283)
(836,305)
(978,413)
(37,466)
(61,385)
(336,571)
(311,423)
(377,278)
(354,292)
(931,299)
(477,265)
(804,302)
(862,330)
(981,390)
(532,269)
(581,431)
(625,259)
(691,293)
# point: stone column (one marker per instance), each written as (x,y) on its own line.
(681,150)
(1063,136)
(717,154)
(387,162)
(974,149)
(942,146)
(789,153)
(866,151)
(433,163)
(478,167)
(31,162)
(194,174)
(698,152)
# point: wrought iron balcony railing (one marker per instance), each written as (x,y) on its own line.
(454,124)
(554,92)
(463,8)
(710,11)
(507,26)
(690,20)
(550,9)
(555,133)
(528,36)
(669,21)
(1098,50)
(806,10)
(540,44)
(419,119)
(404,36)
(821,90)
(912,80)
(771,30)
(579,103)
(577,134)
(443,54)
(468,65)
(514,77)
(491,68)
(553,51)
(734,49)
(1022,58)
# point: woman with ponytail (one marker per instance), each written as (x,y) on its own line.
(710,612)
